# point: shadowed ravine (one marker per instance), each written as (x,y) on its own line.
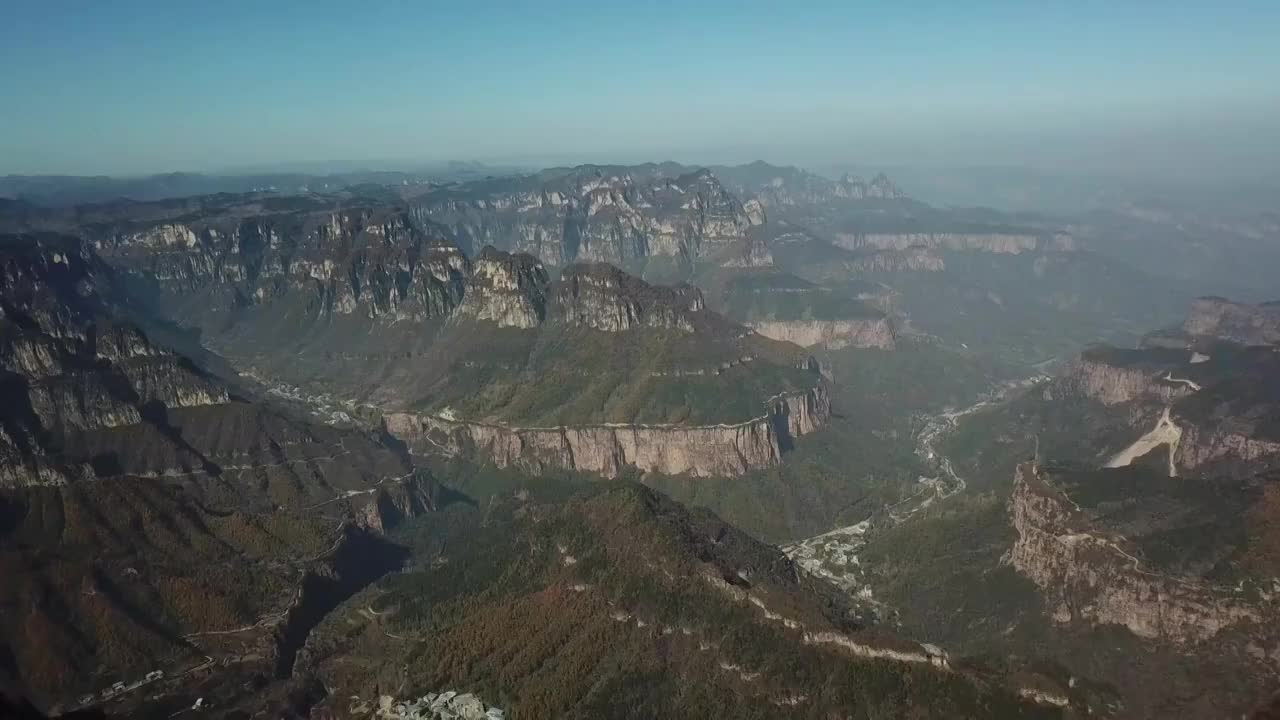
(360,559)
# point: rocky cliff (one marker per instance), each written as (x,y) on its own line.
(373,262)
(1236,322)
(509,289)
(603,297)
(1232,438)
(752,252)
(593,213)
(992,242)
(144,510)
(1112,384)
(1091,576)
(700,451)
(399,500)
(831,334)
(68,368)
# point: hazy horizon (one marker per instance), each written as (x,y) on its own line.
(139,88)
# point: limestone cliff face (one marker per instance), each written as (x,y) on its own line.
(700,451)
(400,500)
(508,289)
(594,214)
(750,253)
(1087,576)
(77,369)
(917,258)
(603,297)
(1237,322)
(755,211)
(371,262)
(67,367)
(1112,385)
(831,334)
(1233,438)
(1000,243)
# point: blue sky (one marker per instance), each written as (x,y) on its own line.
(126,87)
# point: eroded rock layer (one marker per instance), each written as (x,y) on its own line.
(700,451)
(1089,575)
(831,334)
(594,214)
(1237,322)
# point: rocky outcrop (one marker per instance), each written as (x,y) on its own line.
(753,252)
(917,258)
(909,654)
(400,500)
(755,212)
(608,449)
(991,242)
(603,297)
(880,188)
(831,334)
(1090,576)
(372,262)
(1114,384)
(594,214)
(78,369)
(1236,322)
(1234,439)
(508,289)
(66,368)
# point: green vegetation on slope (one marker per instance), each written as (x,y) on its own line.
(565,375)
(864,458)
(612,605)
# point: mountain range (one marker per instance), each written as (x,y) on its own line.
(627,441)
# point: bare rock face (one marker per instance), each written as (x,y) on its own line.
(400,500)
(700,451)
(1090,576)
(1111,384)
(1235,439)
(752,252)
(594,214)
(79,368)
(880,188)
(917,258)
(1236,322)
(755,211)
(508,289)
(603,297)
(372,262)
(831,334)
(67,367)
(999,243)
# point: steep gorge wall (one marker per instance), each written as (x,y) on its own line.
(1233,440)
(607,449)
(1112,384)
(508,289)
(831,334)
(590,214)
(1237,322)
(371,262)
(1088,576)
(603,297)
